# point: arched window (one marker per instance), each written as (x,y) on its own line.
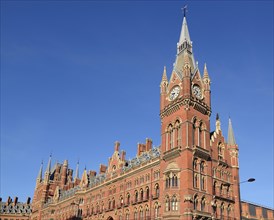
(128,199)
(121,201)
(167,204)
(214,187)
(221,189)
(222,210)
(102,206)
(193,131)
(156,210)
(141,214)
(203,183)
(175,180)
(203,204)
(157,190)
(195,164)
(228,210)
(147,193)
(141,195)
(109,204)
(135,214)
(202,167)
(146,213)
(178,134)
(127,215)
(113,203)
(174,204)
(120,216)
(195,202)
(136,196)
(195,180)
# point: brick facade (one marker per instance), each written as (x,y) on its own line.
(193,174)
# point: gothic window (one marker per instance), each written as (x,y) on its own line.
(195,180)
(156,210)
(135,214)
(203,204)
(121,201)
(141,214)
(228,210)
(200,135)
(127,215)
(178,133)
(222,210)
(136,196)
(109,204)
(214,187)
(167,182)
(167,204)
(202,167)
(102,206)
(157,190)
(195,202)
(113,203)
(141,195)
(128,199)
(174,204)
(195,164)
(203,183)
(146,213)
(147,193)
(193,131)
(221,189)
(120,216)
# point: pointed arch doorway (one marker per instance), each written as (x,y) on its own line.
(110,218)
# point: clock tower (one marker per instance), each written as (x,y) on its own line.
(185,101)
(192,156)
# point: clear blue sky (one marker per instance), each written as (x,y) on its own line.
(78,75)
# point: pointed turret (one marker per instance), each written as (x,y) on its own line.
(184,44)
(206,76)
(39,177)
(164,77)
(207,91)
(47,173)
(77,171)
(164,82)
(49,165)
(230,136)
(184,36)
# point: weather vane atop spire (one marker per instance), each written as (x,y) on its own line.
(184,9)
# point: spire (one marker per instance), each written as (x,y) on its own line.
(164,77)
(205,72)
(230,136)
(184,45)
(49,164)
(77,171)
(39,177)
(184,33)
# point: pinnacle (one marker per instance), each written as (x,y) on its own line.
(205,72)
(164,77)
(230,136)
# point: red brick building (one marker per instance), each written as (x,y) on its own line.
(194,174)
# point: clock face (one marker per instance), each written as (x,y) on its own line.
(174,93)
(196,90)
